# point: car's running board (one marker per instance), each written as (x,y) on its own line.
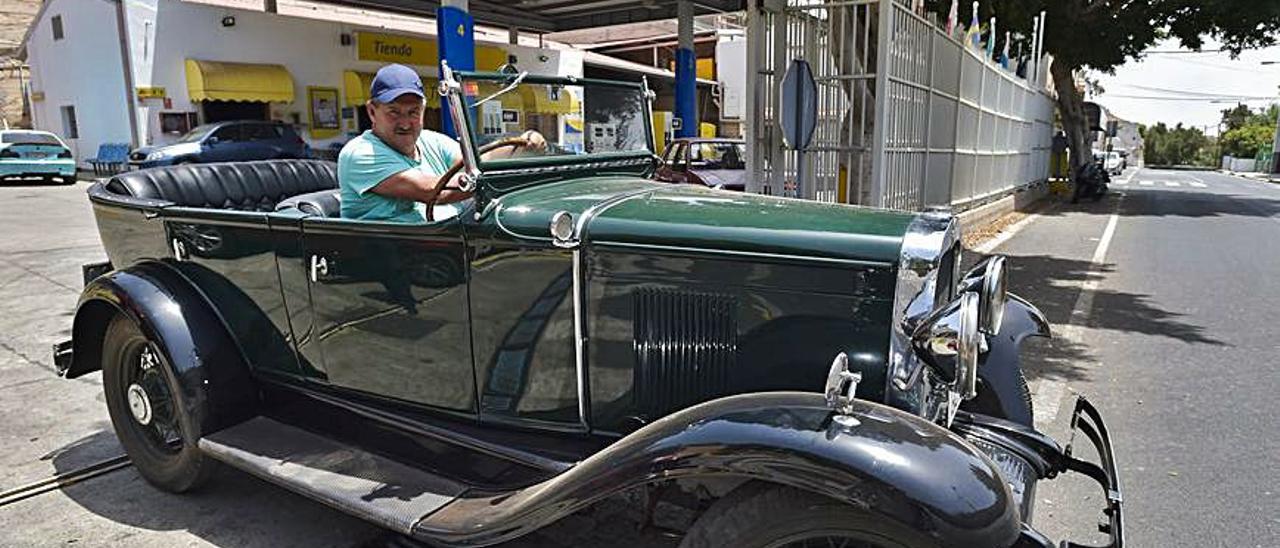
(369,486)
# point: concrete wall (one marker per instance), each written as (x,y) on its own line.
(84,70)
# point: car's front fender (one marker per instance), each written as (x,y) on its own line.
(894,466)
(1001,384)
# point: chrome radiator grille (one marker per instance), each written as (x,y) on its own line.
(686,344)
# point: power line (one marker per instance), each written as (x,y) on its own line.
(1186,92)
(1180,51)
(1225,98)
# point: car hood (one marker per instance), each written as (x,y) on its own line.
(728,178)
(637,212)
(168,149)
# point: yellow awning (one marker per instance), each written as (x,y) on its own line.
(530,98)
(226,81)
(356,87)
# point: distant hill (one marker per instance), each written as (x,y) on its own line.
(15,16)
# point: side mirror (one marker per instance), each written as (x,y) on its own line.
(212,140)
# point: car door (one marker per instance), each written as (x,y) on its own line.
(389,310)
(223,145)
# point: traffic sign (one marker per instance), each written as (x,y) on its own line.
(799,104)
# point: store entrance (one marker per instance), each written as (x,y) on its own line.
(219,111)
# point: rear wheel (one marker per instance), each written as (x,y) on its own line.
(761,515)
(140,389)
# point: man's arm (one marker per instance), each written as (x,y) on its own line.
(412,184)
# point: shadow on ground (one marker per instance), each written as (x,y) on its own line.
(1053,285)
(237,509)
(233,509)
(1160,202)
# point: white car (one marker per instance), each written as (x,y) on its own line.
(1113,163)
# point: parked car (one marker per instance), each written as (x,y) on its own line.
(716,163)
(27,153)
(234,141)
(1114,163)
(795,372)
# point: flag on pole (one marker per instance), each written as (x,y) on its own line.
(974,35)
(991,39)
(1004,54)
(953,18)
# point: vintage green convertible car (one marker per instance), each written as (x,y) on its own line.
(797,372)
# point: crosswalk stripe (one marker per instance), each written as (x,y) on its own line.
(1146,183)
(1172,183)
(1198,185)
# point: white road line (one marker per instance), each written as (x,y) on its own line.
(1197,184)
(1049,392)
(1172,183)
(1146,183)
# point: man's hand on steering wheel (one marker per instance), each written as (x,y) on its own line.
(532,141)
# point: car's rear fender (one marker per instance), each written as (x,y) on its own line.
(215,384)
(892,465)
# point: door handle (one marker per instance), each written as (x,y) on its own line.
(319,267)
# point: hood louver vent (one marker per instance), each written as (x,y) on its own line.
(685,347)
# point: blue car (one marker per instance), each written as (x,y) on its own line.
(231,141)
(25,153)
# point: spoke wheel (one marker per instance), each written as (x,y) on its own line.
(763,515)
(147,417)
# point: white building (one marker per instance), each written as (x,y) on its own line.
(145,71)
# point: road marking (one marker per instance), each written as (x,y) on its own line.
(1049,392)
(1172,183)
(1197,184)
(1146,183)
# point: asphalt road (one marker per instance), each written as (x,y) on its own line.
(1173,337)
(1167,330)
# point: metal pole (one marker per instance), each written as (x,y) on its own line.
(686,75)
(880,133)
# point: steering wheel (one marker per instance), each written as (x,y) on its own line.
(457,166)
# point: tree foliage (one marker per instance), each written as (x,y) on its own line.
(1246,131)
(1176,146)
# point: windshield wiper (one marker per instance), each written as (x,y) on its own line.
(515,82)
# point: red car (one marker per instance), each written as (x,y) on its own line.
(717,163)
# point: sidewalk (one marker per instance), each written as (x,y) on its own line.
(1265,177)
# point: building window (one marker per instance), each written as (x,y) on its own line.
(69,128)
(57,27)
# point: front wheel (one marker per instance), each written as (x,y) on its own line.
(140,389)
(761,515)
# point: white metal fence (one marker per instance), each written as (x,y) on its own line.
(937,126)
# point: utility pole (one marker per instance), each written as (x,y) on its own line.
(1275,140)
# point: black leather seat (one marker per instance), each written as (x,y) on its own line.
(246,186)
(325,203)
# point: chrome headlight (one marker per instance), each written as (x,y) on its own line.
(948,341)
(157,155)
(562,229)
(990,280)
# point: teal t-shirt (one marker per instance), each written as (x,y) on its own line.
(366,161)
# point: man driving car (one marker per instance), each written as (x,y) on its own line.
(386,172)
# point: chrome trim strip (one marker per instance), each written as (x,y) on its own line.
(579,231)
(579,338)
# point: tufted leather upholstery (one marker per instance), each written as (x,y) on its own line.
(246,186)
(325,203)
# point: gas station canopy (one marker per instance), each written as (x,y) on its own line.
(554,15)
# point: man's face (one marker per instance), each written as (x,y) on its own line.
(399,122)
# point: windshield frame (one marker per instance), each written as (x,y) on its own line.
(509,165)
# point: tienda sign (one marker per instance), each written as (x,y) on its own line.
(392,48)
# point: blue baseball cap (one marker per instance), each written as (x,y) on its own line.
(395,80)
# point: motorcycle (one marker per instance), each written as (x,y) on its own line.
(1091,181)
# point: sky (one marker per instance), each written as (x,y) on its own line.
(1189,87)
